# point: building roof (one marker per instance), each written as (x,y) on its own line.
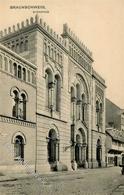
(115,134)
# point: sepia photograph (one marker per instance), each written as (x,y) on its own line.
(62,97)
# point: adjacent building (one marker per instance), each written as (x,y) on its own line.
(52,110)
(114,133)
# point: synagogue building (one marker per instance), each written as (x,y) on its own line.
(52,103)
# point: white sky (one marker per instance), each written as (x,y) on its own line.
(98,23)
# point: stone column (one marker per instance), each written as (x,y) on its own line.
(84,145)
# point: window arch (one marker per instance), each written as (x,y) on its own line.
(15,69)
(10,66)
(72,101)
(49,87)
(78,92)
(78,101)
(24,74)
(53,147)
(19,72)
(57,92)
(22,107)
(100,114)
(52,53)
(55,55)
(83,107)
(49,51)
(97,113)
(28,75)
(19,148)
(57,58)
(19,103)
(15,104)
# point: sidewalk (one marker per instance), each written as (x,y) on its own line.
(48,175)
(52,175)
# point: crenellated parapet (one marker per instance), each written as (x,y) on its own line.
(30,22)
(68,32)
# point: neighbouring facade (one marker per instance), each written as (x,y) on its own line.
(114,133)
(52,111)
(114,146)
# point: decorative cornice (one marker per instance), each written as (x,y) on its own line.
(15,121)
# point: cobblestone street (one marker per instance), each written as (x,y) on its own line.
(105,181)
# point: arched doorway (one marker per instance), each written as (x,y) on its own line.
(99,152)
(19,148)
(78,155)
(53,147)
(80,149)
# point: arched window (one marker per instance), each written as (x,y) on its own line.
(24,74)
(57,58)
(15,69)
(49,88)
(78,101)
(15,104)
(33,77)
(5,63)
(78,149)
(19,72)
(72,103)
(53,147)
(97,113)
(55,55)
(100,114)
(52,53)
(22,107)
(10,66)
(57,92)
(28,76)
(19,148)
(83,107)
(49,51)
(78,92)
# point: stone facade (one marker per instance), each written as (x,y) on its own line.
(66,114)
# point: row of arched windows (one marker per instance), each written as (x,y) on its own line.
(53,53)
(53,90)
(18,47)
(78,100)
(19,105)
(18,71)
(53,146)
